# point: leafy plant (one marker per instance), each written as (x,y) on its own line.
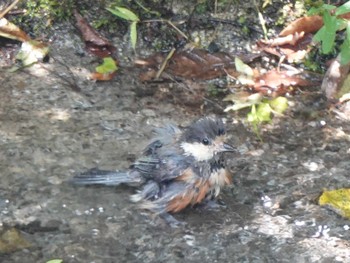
(262,112)
(333,22)
(130,16)
(261,109)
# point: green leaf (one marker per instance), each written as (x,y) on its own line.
(345,53)
(320,10)
(263,112)
(108,66)
(243,68)
(328,7)
(279,104)
(124,13)
(246,72)
(238,106)
(55,261)
(345,47)
(330,24)
(133,34)
(148,10)
(343,9)
(320,35)
(313,11)
(251,116)
(242,100)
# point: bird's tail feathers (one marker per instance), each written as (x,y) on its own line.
(111,178)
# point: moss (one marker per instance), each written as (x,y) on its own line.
(41,14)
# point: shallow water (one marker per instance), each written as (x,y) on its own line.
(49,132)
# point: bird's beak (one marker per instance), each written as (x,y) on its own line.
(226,148)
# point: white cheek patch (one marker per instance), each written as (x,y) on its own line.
(199,151)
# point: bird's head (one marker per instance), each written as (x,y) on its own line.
(205,138)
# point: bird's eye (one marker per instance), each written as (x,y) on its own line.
(205,141)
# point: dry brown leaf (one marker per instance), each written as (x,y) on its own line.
(189,64)
(10,30)
(307,24)
(291,39)
(280,82)
(345,16)
(94,41)
(294,47)
(102,76)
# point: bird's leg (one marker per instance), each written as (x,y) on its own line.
(172,221)
(212,204)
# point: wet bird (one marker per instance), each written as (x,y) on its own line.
(179,168)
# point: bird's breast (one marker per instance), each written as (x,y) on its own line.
(219,178)
(197,188)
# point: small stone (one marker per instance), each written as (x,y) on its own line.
(148,113)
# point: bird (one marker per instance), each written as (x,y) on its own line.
(179,168)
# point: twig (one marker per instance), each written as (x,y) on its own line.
(169,23)
(165,62)
(261,19)
(3,13)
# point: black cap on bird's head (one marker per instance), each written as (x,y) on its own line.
(205,138)
(204,128)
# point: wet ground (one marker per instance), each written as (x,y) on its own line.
(49,132)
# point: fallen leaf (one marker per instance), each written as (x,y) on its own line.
(294,47)
(242,100)
(55,261)
(189,64)
(291,39)
(345,16)
(102,76)
(10,30)
(243,68)
(279,82)
(243,73)
(11,240)
(105,71)
(94,41)
(108,66)
(307,24)
(337,200)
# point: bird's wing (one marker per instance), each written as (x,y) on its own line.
(174,167)
(148,166)
(163,159)
(162,162)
